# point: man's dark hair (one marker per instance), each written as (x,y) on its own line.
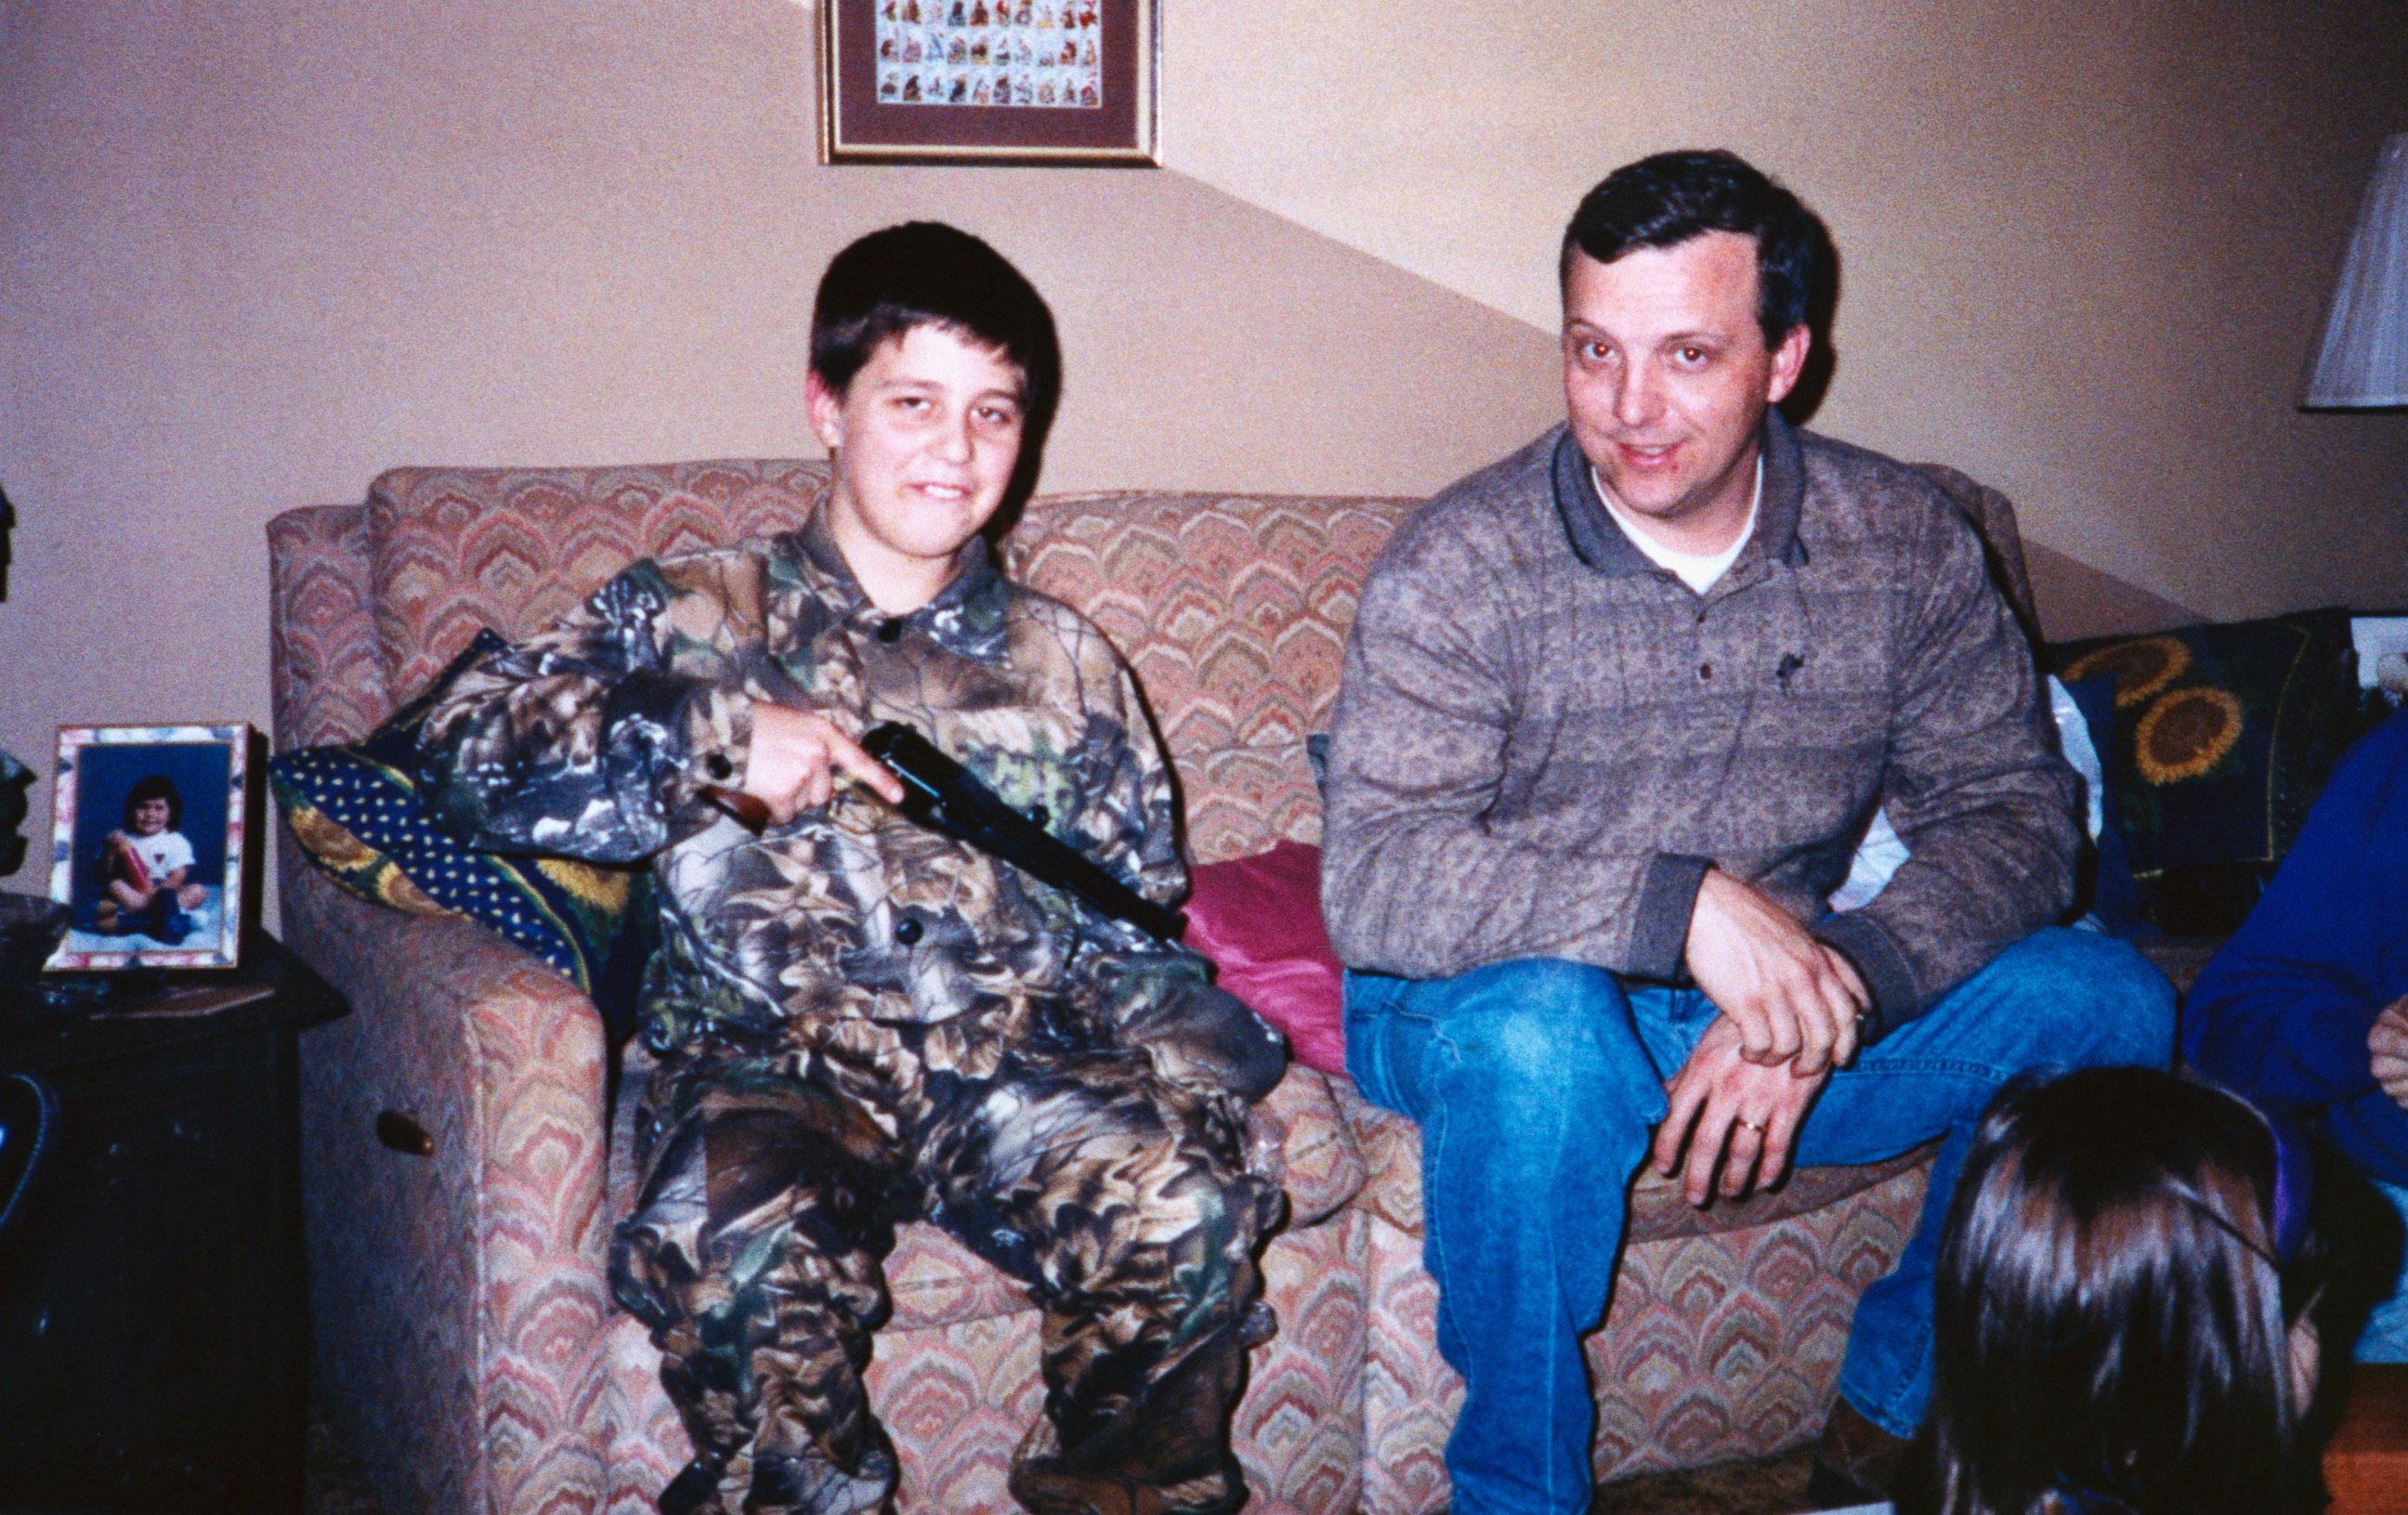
(1665,200)
(925,273)
(157,786)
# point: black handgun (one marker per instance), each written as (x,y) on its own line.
(944,796)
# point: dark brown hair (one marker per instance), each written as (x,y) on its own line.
(157,786)
(925,273)
(1665,200)
(2112,1325)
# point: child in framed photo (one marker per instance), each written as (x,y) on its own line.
(147,847)
(147,885)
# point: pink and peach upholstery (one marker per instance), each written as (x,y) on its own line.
(469,1352)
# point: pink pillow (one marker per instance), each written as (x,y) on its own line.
(1258,920)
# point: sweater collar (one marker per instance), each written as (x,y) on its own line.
(1606,549)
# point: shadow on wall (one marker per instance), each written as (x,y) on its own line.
(7,523)
(15,779)
(1822,312)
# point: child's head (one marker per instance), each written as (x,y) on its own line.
(153,806)
(2123,1267)
(925,273)
(934,373)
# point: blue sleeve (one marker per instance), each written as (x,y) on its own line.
(2282,1011)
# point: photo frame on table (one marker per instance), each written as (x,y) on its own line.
(149,845)
(1003,81)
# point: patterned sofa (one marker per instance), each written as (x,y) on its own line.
(467,1349)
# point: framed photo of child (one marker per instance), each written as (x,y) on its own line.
(147,849)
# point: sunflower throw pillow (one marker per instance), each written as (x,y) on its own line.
(2224,735)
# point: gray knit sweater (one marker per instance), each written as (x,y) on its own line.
(1543,740)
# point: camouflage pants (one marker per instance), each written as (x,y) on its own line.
(773,1181)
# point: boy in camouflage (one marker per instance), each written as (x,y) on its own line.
(859,1023)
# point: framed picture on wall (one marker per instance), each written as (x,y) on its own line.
(1024,81)
(148,850)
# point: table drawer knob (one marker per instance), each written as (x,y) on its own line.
(404,1134)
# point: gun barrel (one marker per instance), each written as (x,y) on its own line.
(940,794)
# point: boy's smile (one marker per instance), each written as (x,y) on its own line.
(924,440)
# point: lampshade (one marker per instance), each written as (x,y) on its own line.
(2363,359)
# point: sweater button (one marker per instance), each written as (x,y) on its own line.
(890,631)
(1705,670)
(907,930)
(719,767)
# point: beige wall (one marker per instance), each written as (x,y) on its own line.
(251,252)
(2087,245)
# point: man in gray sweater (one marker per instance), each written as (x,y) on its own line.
(1615,713)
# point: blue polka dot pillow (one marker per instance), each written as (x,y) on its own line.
(355,811)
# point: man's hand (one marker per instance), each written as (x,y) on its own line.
(2388,1043)
(795,757)
(1789,995)
(1745,1115)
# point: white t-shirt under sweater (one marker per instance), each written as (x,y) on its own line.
(162,855)
(1699,570)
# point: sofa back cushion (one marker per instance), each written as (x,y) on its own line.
(1234,612)
(454,549)
(1233,609)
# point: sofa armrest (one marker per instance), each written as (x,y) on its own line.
(467,1283)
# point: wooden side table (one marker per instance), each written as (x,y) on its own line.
(153,1318)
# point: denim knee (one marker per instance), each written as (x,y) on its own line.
(1536,1039)
(2106,1005)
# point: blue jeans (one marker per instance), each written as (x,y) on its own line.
(1537,1085)
(2385,1337)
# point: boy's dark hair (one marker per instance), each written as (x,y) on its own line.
(925,273)
(2113,1310)
(1665,200)
(157,786)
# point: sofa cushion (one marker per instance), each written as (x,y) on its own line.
(2109,892)
(455,550)
(1314,1152)
(2224,735)
(1237,801)
(1258,920)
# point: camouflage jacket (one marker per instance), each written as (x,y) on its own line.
(596,738)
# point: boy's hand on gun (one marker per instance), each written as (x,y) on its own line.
(2388,1044)
(796,756)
